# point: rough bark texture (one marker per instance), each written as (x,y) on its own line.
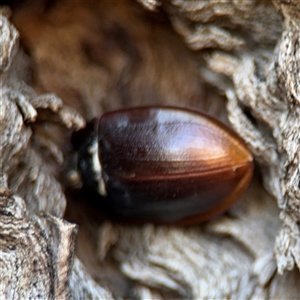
(36,247)
(87,57)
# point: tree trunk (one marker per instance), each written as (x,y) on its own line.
(66,62)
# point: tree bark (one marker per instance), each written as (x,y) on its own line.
(63,63)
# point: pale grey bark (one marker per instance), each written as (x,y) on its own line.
(251,53)
(36,245)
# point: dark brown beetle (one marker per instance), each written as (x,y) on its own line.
(164,165)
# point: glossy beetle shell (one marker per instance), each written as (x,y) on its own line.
(168,165)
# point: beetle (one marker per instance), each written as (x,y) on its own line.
(163,164)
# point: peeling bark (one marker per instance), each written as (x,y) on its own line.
(100,56)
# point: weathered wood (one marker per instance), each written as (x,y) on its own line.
(85,58)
